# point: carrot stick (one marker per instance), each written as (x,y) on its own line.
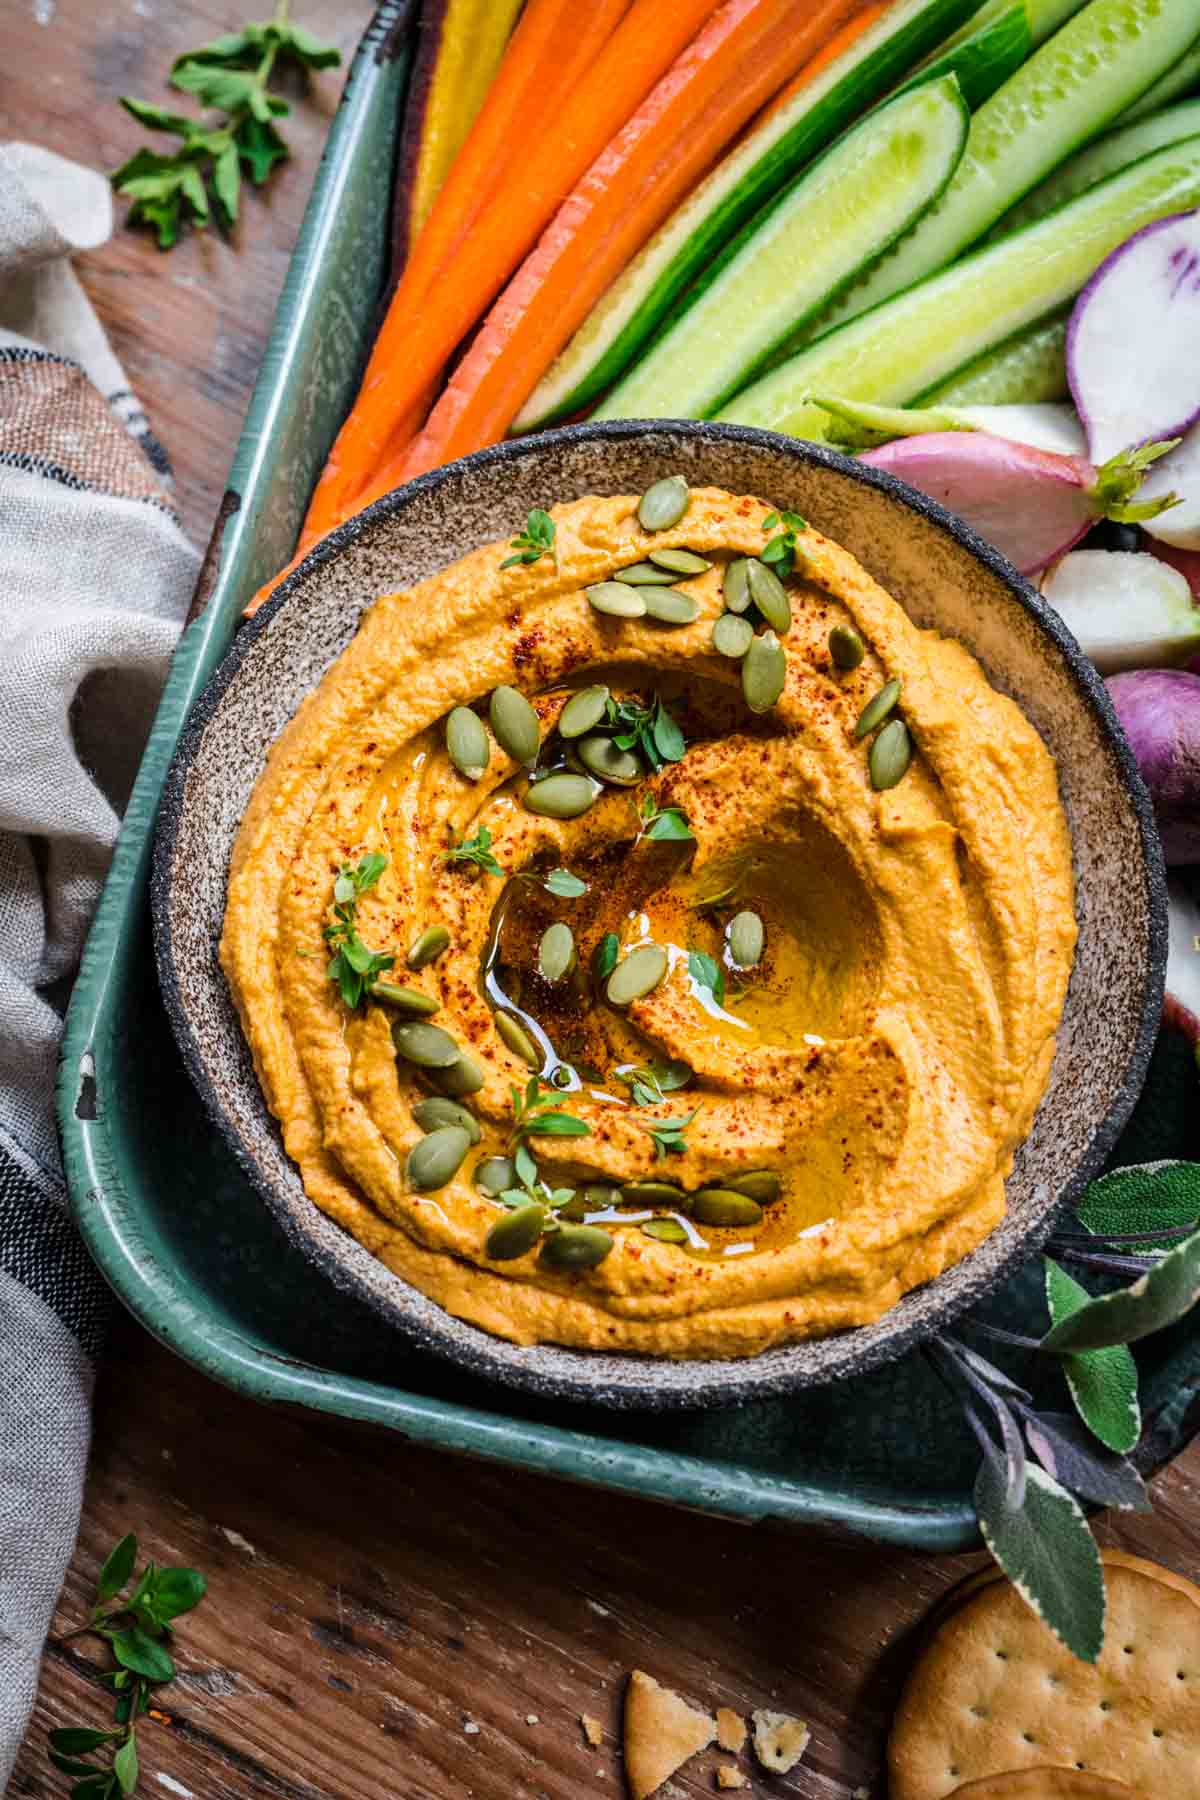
(745,53)
(841,40)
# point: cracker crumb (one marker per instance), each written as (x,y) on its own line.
(593,1730)
(730,1776)
(471,1728)
(662,1732)
(731,1729)
(531,1719)
(779,1740)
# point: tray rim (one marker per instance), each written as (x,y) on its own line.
(97,1197)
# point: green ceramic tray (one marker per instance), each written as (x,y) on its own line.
(192,1251)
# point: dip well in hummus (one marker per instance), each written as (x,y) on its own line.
(707,1022)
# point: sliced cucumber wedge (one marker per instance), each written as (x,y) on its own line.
(741,184)
(1115,150)
(1077,83)
(782,269)
(984,57)
(912,343)
(1180,80)
(1028,367)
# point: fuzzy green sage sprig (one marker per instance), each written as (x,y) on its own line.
(231,75)
(136,1622)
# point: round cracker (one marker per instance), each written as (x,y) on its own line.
(996,1692)
(1046,1784)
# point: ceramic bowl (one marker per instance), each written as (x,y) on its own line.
(947,579)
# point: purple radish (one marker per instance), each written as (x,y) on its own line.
(1159,710)
(1132,341)
(1128,610)
(1178,473)
(1181,1007)
(1032,504)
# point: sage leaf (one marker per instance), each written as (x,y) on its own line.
(1103,1383)
(1148,1198)
(1068,1452)
(1047,1551)
(118,1567)
(1160,1297)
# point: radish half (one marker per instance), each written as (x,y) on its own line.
(1181,1008)
(1178,473)
(1128,610)
(1132,362)
(1159,710)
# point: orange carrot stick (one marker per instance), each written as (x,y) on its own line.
(745,53)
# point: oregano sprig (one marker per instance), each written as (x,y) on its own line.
(536,541)
(538,1113)
(353,967)
(780,550)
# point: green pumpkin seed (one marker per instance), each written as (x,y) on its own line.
(602,1194)
(764,671)
(664,504)
(680,562)
(725,1206)
(436,1159)
(583,711)
(494,1174)
(763,1185)
(667,1231)
(406,1000)
(746,937)
(515,1038)
(890,755)
(616,599)
(656,1193)
(467,743)
(601,757)
(646,574)
(561,796)
(732,635)
(736,587)
(435,1112)
(877,708)
(426,1045)
(515,724)
(769,595)
(515,1234)
(462,1077)
(669,607)
(556,952)
(576,1247)
(846,648)
(637,976)
(427,946)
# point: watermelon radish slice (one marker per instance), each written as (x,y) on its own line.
(1128,610)
(1132,364)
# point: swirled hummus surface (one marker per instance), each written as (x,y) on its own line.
(872,1072)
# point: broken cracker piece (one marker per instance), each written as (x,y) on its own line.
(729,1776)
(779,1740)
(661,1733)
(593,1730)
(731,1729)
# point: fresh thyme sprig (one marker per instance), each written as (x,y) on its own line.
(477,850)
(663,823)
(354,967)
(137,1629)
(668,1134)
(536,541)
(538,1113)
(651,729)
(650,1083)
(231,75)
(781,549)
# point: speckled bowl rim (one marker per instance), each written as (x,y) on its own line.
(552,1371)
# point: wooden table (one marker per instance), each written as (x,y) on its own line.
(383,1620)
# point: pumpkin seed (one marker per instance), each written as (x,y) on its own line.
(561,796)
(461,1078)
(426,1045)
(467,742)
(601,757)
(427,946)
(637,976)
(890,755)
(601,1194)
(493,1174)
(576,1247)
(746,938)
(732,635)
(736,587)
(769,595)
(725,1206)
(556,952)
(667,1231)
(877,708)
(764,671)
(435,1112)
(656,1193)
(646,574)
(516,1233)
(436,1159)
(515,723)
(664,503)
(514,1037)
(670,607)
(680,562)
(574,1210)
(405,1000)
(616,599)
(846,647)
(763,1185)
(583,711)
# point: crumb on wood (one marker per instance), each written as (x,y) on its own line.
(731,1729)
(532,1719)
(730,1776)
(779,1740)
(593,1730)
(471,1728)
